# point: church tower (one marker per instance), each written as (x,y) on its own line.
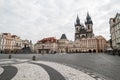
(80,31)
(89,26)
(77,27)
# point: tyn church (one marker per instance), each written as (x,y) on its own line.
(82,31)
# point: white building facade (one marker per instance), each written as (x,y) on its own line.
(10,43)
(115,31)
(63,44)
(46,45)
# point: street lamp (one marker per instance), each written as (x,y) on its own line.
(42,49)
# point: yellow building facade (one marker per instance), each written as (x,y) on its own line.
(96,44)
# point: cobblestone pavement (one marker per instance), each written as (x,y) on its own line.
(102,65)
(9,72)
(54,75)
(40,70)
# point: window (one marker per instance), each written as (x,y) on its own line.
(88,27)
(83,36)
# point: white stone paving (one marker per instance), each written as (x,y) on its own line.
(28,71)
(4,62)
(68,72)
(21,60)
(1,70)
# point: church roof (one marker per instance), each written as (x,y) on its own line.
(77,21)
(88,16)
(63,36)
(48,39)
(88,19)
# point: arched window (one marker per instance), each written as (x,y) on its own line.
(88,27)
(77,29)
(83,36)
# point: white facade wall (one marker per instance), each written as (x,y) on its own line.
(115,31)
(51,46)
(10,42)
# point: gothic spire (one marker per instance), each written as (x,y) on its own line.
(77,20)
(88,16)
(88,19)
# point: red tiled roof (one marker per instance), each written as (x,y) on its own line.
(14,35)
(5,33)
(50,39)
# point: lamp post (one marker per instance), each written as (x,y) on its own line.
(42,49)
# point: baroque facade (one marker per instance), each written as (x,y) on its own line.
(96,44)
(63,44)
(10,43)
(46,45)
(115,31)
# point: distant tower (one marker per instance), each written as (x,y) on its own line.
(77,21)
(77,28)
(89,26)
(80,31)
(63,36)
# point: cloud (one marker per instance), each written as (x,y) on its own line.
(36,19)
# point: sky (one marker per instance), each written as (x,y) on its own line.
(37,19)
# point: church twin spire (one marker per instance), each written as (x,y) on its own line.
(77,21)
(88,20)
(84,31)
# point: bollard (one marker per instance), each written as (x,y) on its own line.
(34,58)
(10,57)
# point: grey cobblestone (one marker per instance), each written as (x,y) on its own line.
(9,72)
(54,75)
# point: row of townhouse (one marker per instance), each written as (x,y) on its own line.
(63,45)
(115,31)
(95,44)
(11,43)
